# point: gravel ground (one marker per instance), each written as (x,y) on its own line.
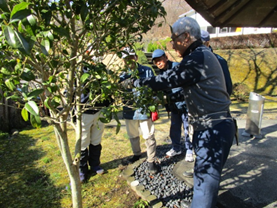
(164,185)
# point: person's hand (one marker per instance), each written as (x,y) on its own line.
(127,83)
(136,83)
(156,100)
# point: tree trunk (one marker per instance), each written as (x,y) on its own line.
(71,167)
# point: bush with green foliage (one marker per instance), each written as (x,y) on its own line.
(141,204)
(160,44)
(139,46)
(3,135)
(151,47)
(141,57)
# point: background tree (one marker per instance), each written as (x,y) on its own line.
(173,8)
(44,47)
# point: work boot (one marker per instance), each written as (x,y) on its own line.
(98,170)
(94,158)
(94,155)
(83,167)
(153,168)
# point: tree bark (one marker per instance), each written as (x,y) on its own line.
(71,166)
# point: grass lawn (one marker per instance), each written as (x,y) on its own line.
(32,173)
(269,110)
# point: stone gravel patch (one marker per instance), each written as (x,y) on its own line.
(163,189)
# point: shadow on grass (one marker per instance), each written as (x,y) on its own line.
(21,183)
(160,152)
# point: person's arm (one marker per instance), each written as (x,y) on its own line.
(124,76)
(183,75)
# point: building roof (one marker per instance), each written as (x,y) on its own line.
(237,13)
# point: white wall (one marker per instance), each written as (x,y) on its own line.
(221,32)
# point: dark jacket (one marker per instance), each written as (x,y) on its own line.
(227,76)
(202,79)
(130,113)
(175,96)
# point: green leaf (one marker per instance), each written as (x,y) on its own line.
(84,12)
(104,120)
(62,32)
(118,127)
(108,86)
(46,103)
(118,123)
(52,79)
(16,81)
(108,39)
(35,121)
(152,108)
(3,5)
(46,15)
(27,75)
(48,35)
(55,63)
(20,15)
(31,32)
(97,76)
(24,95)
(28,25)
(24,114)
(10,84)
(66,53)
(84,77)
(10,36)
(52,89)
(13,97)
(55,102)
(21,27)
(16,40)
(5,71)
(32,108)
(32,20)
(45,46)
(19,7)
(35,93)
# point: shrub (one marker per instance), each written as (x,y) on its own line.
(141,204)
(3,135)
(160,44)
(139,46)
(46,160)
(150,47)
(241,91)
(141,57)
